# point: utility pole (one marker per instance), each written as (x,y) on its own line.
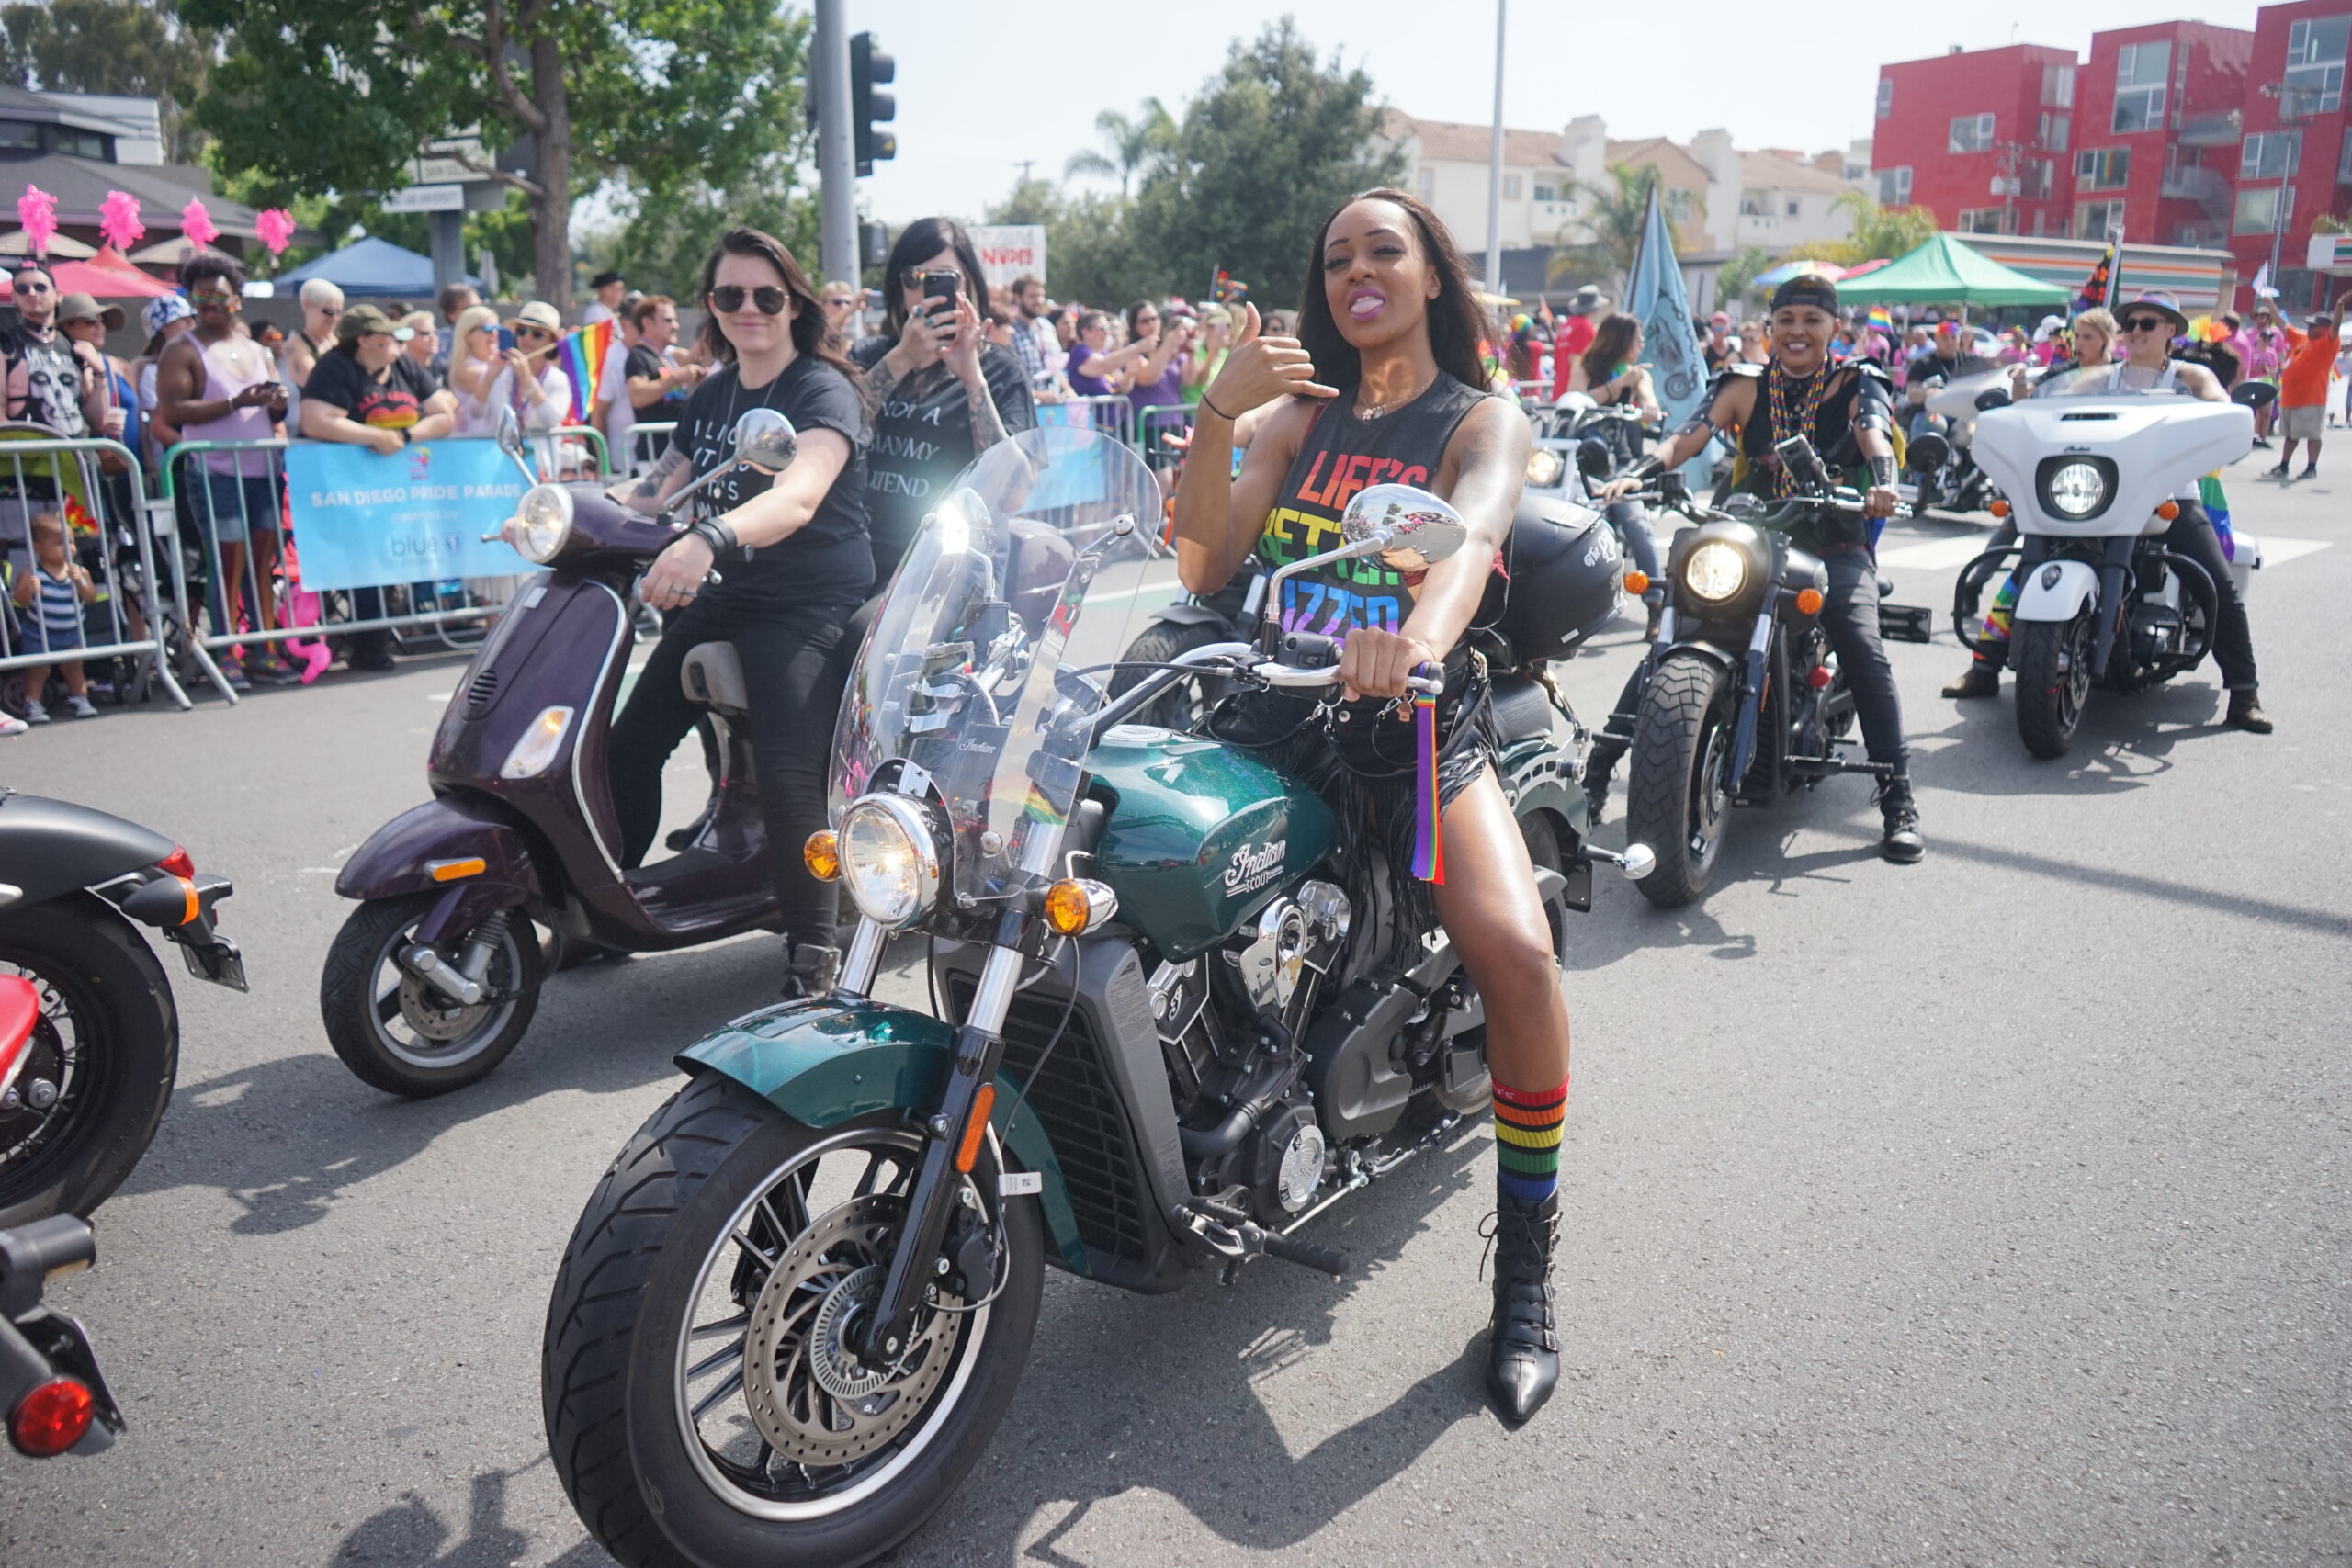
(836,152)
(2284,208)
(1495,169)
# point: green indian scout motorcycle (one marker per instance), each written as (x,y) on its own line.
(1170,1025)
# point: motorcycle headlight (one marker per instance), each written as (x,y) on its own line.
(546,518)
(1715,571)
(1544,467)
(2077,489)
(889,859)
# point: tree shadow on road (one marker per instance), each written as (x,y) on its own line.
(411,1535)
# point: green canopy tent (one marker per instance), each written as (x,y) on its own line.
(1945,272)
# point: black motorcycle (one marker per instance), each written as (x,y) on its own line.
(1741,699)
(96,1070)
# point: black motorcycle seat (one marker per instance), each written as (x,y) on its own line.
(1522,708)
(713,676)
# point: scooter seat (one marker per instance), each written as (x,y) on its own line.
(713,676)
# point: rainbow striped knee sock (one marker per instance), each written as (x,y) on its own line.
(1527,1140)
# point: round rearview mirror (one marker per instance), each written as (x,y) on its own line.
(509,434)
(1593,457)
(1406,528)
(1639,862)
(765,440)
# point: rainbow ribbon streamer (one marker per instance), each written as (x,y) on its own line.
(1429,839)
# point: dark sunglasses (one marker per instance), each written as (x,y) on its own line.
(767,296)
(2146,324)
(533,331)
(33,288)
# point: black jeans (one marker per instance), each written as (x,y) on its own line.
(794,682)
(2191,535)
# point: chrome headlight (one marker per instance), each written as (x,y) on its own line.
(1544,467)
(1715,571)
(2077,489)
(889,859)
(546,519)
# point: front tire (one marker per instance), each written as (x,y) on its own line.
(1181,707)
(662,1446)
(1678,801)
(395,1031)
(107,1047)
(2053,679)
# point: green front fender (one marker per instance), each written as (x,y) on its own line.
(822,1063)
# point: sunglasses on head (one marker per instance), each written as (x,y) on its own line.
(2146,324)
(767,296)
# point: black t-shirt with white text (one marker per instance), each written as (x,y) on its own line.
(826,556)
(922,439)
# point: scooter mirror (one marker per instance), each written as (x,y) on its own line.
(1992,398)
(1406,528)
(765,440)
(1594,460)
(509,434)
(1639,862)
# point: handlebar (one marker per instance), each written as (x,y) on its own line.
(1293,676)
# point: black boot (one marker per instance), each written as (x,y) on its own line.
(1598,763)
(1980,680)
(1523,1349)
(812,969)
(1902,843)
(2246,712)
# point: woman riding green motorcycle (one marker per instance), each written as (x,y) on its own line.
(1382,384)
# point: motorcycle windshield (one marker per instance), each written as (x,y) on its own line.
(2098,381)
(992,651)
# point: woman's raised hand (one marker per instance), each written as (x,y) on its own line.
(1260,369)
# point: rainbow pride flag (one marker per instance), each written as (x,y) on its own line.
(581,354)
(1882,318)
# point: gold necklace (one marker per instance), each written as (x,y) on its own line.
(1377,409)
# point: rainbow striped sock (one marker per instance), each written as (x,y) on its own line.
(1527,1140)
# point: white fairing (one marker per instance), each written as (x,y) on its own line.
(1956,400)
(2055,591)
(2159,442)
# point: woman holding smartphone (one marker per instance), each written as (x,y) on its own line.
(942,394)
(794,564)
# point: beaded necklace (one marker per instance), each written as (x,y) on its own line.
(1787,423)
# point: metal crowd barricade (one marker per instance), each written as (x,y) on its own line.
(242,598)
(106,532)
(1155,424)
(557,453)
(1111,414)
(648,442)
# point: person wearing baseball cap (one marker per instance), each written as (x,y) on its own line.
(1845,408)
(1575,334)
(2303,392)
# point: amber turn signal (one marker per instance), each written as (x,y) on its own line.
(822,855)
(975,1125)
(1999,508)
(1808,601)
(2167,510)
(1637,582)
(1075,904)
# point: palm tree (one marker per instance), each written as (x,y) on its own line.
(1136,144)
(1614,215)
(1879,231)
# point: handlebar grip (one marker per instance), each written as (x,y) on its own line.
(1322,1260)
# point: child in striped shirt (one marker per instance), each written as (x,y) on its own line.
(53,593)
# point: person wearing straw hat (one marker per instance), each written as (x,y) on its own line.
(542,391)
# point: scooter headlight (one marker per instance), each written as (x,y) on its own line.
(1544,467)
(545,517)
(889,859)
(2077,489)
(1717,570)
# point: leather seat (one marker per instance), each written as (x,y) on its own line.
(713,676)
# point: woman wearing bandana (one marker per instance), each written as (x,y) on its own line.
(1843,409)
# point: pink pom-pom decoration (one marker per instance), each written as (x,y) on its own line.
(118,220)
(276,227)
(196,223)
(37,212)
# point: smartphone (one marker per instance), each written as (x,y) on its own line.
(939,291)
(506,340)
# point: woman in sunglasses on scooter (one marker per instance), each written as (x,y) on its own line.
(1384,383)
(794,564)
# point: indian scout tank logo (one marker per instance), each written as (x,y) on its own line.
(1252,868)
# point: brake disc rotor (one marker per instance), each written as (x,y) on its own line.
(433,1015)
(812,1397)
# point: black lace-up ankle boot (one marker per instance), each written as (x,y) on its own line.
(1523,1354)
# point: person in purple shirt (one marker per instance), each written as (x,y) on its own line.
(1158,380)
(1095,368)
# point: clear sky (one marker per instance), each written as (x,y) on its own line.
(982,87)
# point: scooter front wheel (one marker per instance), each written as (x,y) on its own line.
(397,1030)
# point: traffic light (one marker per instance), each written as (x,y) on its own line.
(867,66)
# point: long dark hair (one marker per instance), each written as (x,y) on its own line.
(917,244)
(1456,325)
(1612,342)
(811,334)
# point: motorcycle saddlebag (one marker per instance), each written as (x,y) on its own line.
(1562,579)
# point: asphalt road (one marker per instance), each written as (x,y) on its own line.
(1986,1211)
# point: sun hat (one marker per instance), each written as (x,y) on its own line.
(80,307)
(539,313)
(2157,299)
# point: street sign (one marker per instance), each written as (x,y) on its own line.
(427,199)
(444,162)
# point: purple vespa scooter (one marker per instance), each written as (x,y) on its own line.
(436,975)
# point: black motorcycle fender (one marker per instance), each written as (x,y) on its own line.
(52,846)
(1189,616)
(459,847)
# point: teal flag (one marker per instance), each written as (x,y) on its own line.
(1655,295)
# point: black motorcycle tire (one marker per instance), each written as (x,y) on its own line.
(607,1367)
(1682,733)
(2050,700)
(129,1030)
(1181,706)
(346,1002)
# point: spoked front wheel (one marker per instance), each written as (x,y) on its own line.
(704,1393)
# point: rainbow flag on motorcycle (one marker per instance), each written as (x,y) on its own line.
(1654,296)
(582,356)
(2097,292)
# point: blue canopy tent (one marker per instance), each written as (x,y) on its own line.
(369,267)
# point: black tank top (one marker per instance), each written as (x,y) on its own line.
(1845,390)
(1340,455)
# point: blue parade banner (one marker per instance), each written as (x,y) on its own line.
(366,520)
(1656,297)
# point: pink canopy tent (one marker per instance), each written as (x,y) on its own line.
(107,276)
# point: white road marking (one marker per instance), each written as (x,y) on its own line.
(2278,552)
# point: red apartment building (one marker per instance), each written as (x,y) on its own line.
(2156,140)
(1953,131)
(2298,139)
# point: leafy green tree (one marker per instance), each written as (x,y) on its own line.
(1737,275)
(1612,214)
(662,245)
(1276,139)
(1091,251)
(1879,231)
(113,46)
(1136,144)
(670,97)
